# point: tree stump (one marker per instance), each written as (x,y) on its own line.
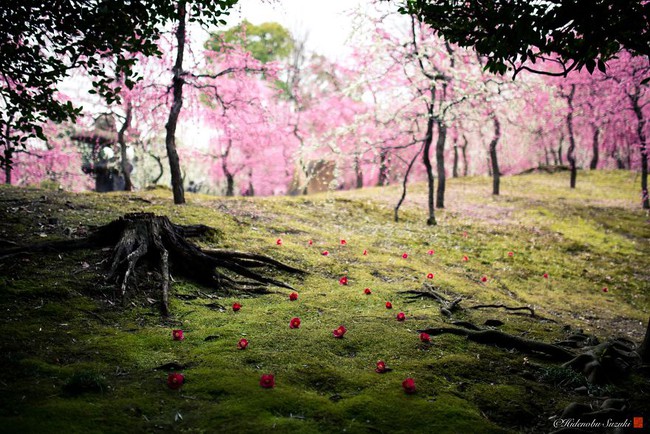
(139,238)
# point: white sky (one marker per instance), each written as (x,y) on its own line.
(327,23)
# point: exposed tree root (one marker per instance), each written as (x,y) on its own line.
(145,237)
(448,307)
(504,340)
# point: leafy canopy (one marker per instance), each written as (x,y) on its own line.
(515,34)
(265,42)
(41,43)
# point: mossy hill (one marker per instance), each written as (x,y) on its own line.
(76,360)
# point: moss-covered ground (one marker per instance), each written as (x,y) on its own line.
(74,359)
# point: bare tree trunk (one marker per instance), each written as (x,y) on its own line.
(559,150)
(546,159)
(177,86)
(230,184)
(7,166)
(428,139)
(640,126)
(358,172)
(404,183)
(440,164)
(496,175)
(572,143)
(464,152)
(593,165)
(383,169)
(454,170)
(126,170)
(160,166)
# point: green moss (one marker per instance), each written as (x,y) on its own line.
(63,326)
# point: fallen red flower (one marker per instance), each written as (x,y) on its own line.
(294,323)
(389,305)
(279,242)
(401,316)
(242,344)
(236,307)
(405,255)
(267,381)
(343,242)
(177,335)
(511,254)
(430,252)
(325,253)
(484,279)
(365,253)
(310,242)
(605,289)
(409,386)
(381,367)
(175,380)
(343,280)
(430,276)
(293,296)
(339,332)
(465,258)
(545,275)
(367,291)
(424,337)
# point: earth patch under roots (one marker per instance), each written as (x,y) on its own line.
(139,236)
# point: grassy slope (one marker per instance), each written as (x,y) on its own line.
(586,239)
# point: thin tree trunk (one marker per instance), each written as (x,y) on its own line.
(464,152)
(440,164)
(383,169)
(640,126)
(160,166)
(428,139)
(177,86)
(593,165)
(230,184)
(572,143)
(496,175)
(546,159)
(358,172)
(251,187)
(8,166)
(488,163)
(126,170)
(454,170)
(404,183)
(559,150)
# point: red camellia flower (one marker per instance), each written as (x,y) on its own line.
(545,275)
(339,332)
(177,335)
(424,337)
(484,279)
(605,289)
(465,234)
(465,259)
(367,291)
(279,242)
(267,381)
(343,280)
(343,242)
(242,344)
(294,323)
(325,253)
(409,385)
(293,296)
(310,242)
(511,254)
(405,255)
(175,380)
(430,252)
(430,276)
(389,305)
(381,367)
(401,316)
(365,253)
(236,307)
